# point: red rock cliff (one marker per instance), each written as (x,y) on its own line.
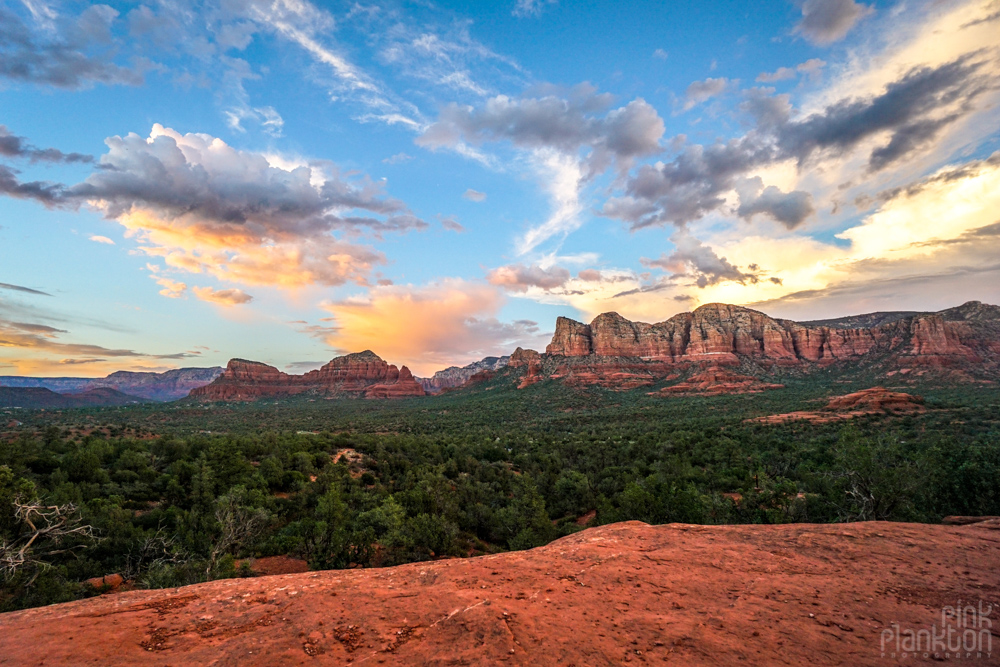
(724,334)
(359,374)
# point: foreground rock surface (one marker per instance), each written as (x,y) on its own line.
(876,400)
(680,594)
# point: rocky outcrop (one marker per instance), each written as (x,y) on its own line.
(362,374)
(877,400)
(531,362)
(967,337)
(624,593)
(455,376)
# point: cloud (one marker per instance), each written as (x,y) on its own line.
(523,8)
(903,118)
(569,139)
(429,327)
(790,209)
(244,217)
(101,239)
(452,225)
(32,336)
(222,297)
(19,288)
(172,289)
(701,91)
(67,52)
(398,158)
(518,277)
(694,259)
(46,193)
(810,68)
(474,195)
(13,146)
(660,54)
(827,21)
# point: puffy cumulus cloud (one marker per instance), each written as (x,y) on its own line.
(828,21)
(474,195)
(222,297)
(790,209)
(43,192)
(692,258)
(518,277)
(245,217)
(63,50)
(701,91)
(428,327)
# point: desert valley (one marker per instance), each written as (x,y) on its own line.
(524,332)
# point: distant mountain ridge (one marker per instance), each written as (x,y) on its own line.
(167,386)
(40,397)
(455,376)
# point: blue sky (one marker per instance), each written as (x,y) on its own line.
(183,182)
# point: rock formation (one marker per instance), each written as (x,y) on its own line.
(613,351)
(531,362)
(876,400)
(40,397)
(362,374)
(453,376)
(793,594)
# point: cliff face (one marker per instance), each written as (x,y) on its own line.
(613,351)
(363,374)
(725,334)
(455,376)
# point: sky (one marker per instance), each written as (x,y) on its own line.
(184,182)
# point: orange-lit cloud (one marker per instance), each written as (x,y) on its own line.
(428,327)
(222,297)
(242,217)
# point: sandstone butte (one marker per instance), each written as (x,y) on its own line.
(362,374)
(615,352)
(794,594)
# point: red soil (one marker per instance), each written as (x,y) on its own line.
(681,594)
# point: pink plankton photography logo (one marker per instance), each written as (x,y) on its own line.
(965,633)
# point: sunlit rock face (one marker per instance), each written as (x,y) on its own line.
(615,352)
(363,374)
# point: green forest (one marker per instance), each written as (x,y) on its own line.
(173,494)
